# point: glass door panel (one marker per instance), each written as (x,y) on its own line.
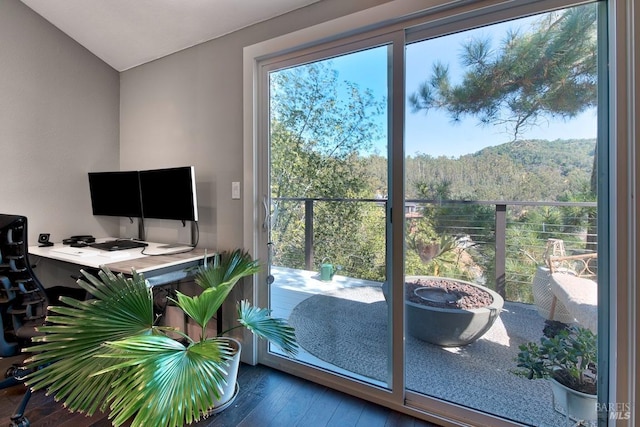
(500,137)
(328,210)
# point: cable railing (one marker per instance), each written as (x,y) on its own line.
(500,243)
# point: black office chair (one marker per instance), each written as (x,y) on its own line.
(23,303)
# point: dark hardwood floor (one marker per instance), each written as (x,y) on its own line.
(267,397)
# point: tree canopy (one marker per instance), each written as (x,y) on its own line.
(549,71)
(320,127)
(322,130)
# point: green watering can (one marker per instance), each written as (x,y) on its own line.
(326,272)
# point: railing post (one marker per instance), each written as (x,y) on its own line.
(308,234)
(501,249)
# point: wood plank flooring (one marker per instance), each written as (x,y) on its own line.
(267,397)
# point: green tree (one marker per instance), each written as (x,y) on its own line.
(547,72)
(550,71)
(320,129)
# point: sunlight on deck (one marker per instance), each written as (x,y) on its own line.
(486,365)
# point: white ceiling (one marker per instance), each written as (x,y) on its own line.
(127,33)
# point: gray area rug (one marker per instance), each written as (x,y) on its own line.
(349,329)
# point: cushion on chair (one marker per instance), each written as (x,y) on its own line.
(579,296)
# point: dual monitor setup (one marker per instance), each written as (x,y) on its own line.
(168,194)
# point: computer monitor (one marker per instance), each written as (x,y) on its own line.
(115,194)
(169,193)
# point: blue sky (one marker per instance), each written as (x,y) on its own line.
(434,133)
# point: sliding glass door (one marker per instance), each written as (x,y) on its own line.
(500,144)
(327,207)
(414,182)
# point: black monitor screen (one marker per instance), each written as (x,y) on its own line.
(169,193)
(115,193)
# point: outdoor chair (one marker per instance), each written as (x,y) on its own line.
(543,298)
(573,284)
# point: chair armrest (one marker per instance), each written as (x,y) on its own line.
(583,265)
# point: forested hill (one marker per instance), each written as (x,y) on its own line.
(531,170)
(565,154)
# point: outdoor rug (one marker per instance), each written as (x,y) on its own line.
(349,329)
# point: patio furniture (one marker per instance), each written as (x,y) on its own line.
(543,297)
(573,286)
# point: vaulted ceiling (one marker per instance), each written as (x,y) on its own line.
(128,33)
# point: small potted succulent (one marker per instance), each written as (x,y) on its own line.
(569,360)
(108,352)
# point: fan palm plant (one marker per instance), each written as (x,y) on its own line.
(107,352)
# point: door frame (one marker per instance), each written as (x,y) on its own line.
(621,322)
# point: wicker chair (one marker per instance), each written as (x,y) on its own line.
(573,285)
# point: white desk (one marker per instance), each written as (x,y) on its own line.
(159,265)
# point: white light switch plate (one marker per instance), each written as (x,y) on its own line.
(235,190)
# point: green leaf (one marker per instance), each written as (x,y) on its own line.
(107,353)
(260,322)
(201,308)
(169,384)
(226,267)
(64,358)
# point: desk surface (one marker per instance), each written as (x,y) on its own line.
(151,260)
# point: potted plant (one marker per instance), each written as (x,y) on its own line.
(108,352)
(569,360)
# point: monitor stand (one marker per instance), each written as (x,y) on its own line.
(141,233)
(194,239)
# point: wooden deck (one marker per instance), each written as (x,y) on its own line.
(291,287)
(503,394)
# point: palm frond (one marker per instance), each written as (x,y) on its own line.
(165,372)
(106,352)
(201,308)
(64,358)
(275,330)
(226,267)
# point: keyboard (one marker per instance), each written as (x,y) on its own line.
(118,245)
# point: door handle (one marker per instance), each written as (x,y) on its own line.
(265,223)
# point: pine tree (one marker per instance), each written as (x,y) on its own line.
(550,71)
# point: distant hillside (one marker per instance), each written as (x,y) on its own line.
(533,170)
(566,154)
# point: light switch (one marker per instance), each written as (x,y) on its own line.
(235,190)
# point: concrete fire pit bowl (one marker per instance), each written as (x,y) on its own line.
(446,311)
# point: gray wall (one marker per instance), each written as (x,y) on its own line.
(64,112)
(186,109)
(59,108)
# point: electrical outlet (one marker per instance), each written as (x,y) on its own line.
(235,190)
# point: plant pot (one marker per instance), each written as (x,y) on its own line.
(577,405)
(230,389)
